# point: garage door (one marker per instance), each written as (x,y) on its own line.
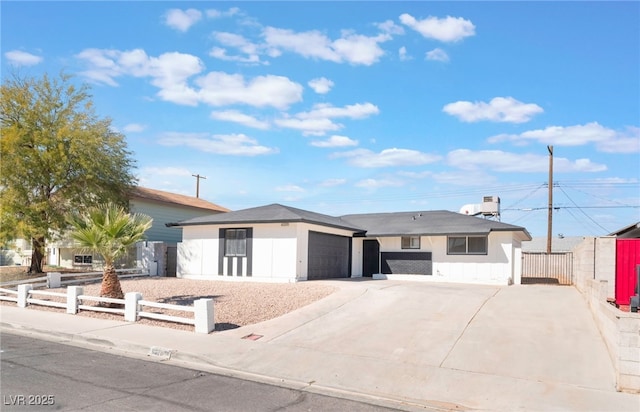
(329,256)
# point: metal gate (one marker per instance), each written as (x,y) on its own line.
(172,260)
(551,268)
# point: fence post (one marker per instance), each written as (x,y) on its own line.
(203,311)
(131,306)
(53,280)
(23,294)
(72,298)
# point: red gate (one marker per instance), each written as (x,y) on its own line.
(627,257)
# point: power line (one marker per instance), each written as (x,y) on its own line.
(596,197)
(527,196)
(528,209)
(582,211)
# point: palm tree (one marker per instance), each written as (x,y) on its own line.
(109,231)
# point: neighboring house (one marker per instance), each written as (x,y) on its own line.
(166,207)
(163,207)
(17,253)
(628,232)
(284,244)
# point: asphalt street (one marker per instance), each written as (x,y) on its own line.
(38,375)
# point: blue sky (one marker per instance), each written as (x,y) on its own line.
(353,107)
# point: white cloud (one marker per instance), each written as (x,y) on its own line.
(214,14)
(390,27)
(289,188)
(627,141)
(437,54)
(378,183)
(318,121)
(21,58)
(402,54)
(170,72)
(182,20)
(350,47)
(239,117)
(308,127)
(387,158)
(416,175)
(352,111)
(505,162)
(448,29)
(134,128)
(335,141)
(219,89)
(606,140)
(321,85)
(250,50)
(333,182)
(458,178)
(221,54)
(358,49)
(229,144)
(499,109)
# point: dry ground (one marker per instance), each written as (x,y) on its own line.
(235,303)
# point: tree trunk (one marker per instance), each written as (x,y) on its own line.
(110,287)
(37,254)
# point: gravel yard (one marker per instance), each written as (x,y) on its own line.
(235,303)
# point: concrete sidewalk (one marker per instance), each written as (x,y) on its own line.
(411,345)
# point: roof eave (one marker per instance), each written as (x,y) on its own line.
(245,222)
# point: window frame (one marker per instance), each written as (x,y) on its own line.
(87,260)
(234,246)
(466,252)
(410,244)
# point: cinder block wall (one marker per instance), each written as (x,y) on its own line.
(594,268)
(621,333)
(595,259)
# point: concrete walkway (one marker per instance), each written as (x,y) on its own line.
(410,345)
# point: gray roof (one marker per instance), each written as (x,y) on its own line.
(274,213)
(630,232)
(438,222)
(425,223)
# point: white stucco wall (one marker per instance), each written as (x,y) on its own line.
(502,264)
(493,268)
(280,251)
(275,252)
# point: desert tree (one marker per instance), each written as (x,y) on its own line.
(56,155)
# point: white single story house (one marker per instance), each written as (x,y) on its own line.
(284,244)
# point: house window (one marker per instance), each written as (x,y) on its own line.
(235,242)
(411,242)
(82,259)
(467,245)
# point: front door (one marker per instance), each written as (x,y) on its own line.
(370,257)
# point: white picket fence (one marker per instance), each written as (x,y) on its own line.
(132,306)
(56,280)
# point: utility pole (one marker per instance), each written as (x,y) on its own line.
(550,211)
(198,177)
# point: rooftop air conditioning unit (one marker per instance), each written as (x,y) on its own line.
(490,205)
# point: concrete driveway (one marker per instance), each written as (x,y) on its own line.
(458,346)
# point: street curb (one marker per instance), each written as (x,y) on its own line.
(196,362)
